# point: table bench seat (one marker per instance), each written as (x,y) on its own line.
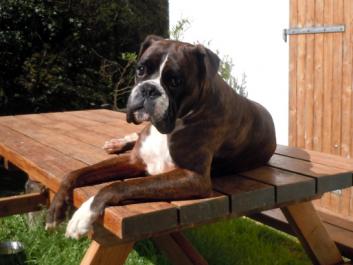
(49,146)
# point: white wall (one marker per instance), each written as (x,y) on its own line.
(251,33)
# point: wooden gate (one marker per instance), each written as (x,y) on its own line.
(320,86)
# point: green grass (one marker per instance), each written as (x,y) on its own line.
(230,242)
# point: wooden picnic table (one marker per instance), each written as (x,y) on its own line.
(50,145)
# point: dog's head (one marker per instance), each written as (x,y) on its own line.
(171,77)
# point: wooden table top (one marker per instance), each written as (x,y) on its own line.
(48,146)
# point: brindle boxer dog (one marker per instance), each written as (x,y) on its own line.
(198,128)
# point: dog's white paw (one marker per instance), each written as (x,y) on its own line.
(82,220)
(116,144)
(131,137)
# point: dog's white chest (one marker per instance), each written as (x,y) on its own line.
(154,152)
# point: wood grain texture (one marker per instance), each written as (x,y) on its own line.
(100,115)
(293,51)
(289,186)
(309,77)
(202,210)
(40,162)
(328,76)
(245,194)
(301,75)
(337,80)
(169,247)
(100,255)
(22,204)
(342,236)
(44,148)
(52,138)
(312,234)
(316,157)
(327,178)
(188,248)
(321,100)
(318,78)
(133,221)
(347,95)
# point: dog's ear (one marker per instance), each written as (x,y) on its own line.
(207,60)
(147,42)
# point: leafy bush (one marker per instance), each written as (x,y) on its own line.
(61,55)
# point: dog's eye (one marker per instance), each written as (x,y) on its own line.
(175,81)
(140,71)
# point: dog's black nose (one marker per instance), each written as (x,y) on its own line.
(150,91)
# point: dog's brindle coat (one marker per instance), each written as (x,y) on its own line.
(199,127)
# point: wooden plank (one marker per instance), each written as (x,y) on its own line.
(62,143)
(289,186)
(169,247)
(69,118)
(188,248)
(111,113)
(115,131)
(103,117)
(100,116)
(301,76)
(133,221)
(88,137)
(337,80)
(334,202)
(318,77)
(41,120)
(328,76)
(40,162)
(351,205)
(93,135)
(22,203)
(101,255)
(309,77)
(345,202)
(245,194)
(351,113)
(347,125)
(61,127)
(192,212)
(328,217)
(328,178)
(293,50)
(312,234)
(342,237)
(316,157)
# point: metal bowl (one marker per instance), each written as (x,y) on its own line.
(12,253)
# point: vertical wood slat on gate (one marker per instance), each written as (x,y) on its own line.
(320,86)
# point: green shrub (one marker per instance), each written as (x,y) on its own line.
(62,55)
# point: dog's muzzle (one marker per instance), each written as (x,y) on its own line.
(143,98)
(148,101)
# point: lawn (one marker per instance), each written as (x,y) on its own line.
(231,242)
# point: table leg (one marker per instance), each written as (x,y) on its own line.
(305,221)
(98,254)
(179,249)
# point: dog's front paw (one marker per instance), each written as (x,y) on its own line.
(118,145)
(114,145)
(82,220)
(56,212)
